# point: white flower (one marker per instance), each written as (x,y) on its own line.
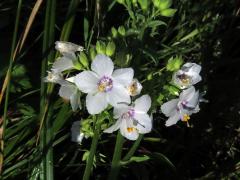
(66,47)
(70,92)
(133,120)
(64,62)
(76,135)
(134,88)
(68,51)
(187,76)
(54,77)
(103,85)
(181,108)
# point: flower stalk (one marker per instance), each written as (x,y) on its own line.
(133,148)
(88,168)
(115,167)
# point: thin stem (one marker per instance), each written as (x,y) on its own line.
(93,148)
(133,148)
(46,132)
(115,167)
(9,79)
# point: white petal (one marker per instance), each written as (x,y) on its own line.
(123,76)
(66,47)
(114,127)
(170,106)
(196,78)
(75,101)
(120,110)
(194,100)
(144,123)
(118,95)
(131,135)
(173,119)
(143,103)
(76,136)
(86,81)
(66,91)
(96,103)
(102,65)
(134,88)
(195,68)
(187,94)
(62,64)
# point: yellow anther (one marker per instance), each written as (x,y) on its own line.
(101,87)
(130,129)
(186,118)
(132,89)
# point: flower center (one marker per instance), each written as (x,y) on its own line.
(185,79)
(129,114)
(131,129)
(185,118)
(105,84)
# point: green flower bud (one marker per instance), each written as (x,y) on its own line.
(84,59)
(110,50)
(149,76)
(100,47)
(121,30)
(77,64)
(168,12)
(143,4)
(162,4)
(114,32)
(92,53)
(174,63)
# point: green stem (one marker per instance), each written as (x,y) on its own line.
(115,167)
(93,148)
(9,79)
(133,148)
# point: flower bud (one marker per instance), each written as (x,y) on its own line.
(143,4)
(110,50)
(114,32)
(162,4)
(92,53)
(100,47)
(168,12)
(83,59)
(121,30)
(174,63)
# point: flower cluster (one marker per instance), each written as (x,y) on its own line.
(104,86)
(188,102)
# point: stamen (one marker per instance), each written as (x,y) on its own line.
(105,84)
(185,118)
(131,129)
(185,79)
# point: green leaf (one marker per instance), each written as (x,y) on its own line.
(162,158)
(137,159)
(156,23)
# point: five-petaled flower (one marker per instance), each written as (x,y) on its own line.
(103,85)
(187,76)
(132,120)
(181,108)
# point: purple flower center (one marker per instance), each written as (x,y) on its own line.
(129,114)
(105,84)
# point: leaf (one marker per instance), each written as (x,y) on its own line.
(137,159)
(156,23)
(162,158)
